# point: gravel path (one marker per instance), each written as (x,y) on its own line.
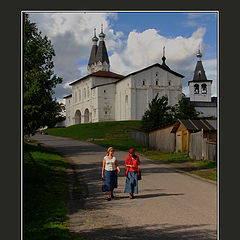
(170,205)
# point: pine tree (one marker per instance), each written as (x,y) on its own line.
(40,109)
(185,109)
(159,114)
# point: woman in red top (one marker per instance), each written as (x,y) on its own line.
(132,162)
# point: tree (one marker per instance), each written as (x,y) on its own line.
(159,114)
(185,109)
(40,109)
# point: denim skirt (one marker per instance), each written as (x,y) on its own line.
(131,182)
(110,180)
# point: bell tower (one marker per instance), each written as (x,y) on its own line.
(200,86)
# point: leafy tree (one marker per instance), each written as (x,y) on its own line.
(159,114)
(185,109)
(40,109)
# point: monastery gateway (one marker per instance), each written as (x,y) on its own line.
(103,95)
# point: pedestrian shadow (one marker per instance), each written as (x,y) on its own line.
(158,195)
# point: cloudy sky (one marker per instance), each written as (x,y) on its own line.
(134,40)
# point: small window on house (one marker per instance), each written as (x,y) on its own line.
(143,82)
(169,83)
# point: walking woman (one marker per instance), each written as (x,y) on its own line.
(109,173)
(132,162)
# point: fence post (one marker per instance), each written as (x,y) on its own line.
(202,146)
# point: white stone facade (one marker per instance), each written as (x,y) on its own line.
(98,98)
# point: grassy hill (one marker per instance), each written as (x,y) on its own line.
(115,133)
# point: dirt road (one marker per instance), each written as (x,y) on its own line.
(169,205)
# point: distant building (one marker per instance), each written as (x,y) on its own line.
(200,91)
(103,95)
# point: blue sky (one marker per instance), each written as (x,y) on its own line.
(134,40)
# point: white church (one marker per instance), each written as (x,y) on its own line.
(103,95)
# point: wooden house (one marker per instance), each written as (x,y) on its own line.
(183,128)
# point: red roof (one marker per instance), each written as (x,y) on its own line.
(101,74)
(106,74)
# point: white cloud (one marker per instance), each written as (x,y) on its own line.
(71,36)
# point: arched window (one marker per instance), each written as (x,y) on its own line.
(77,117)
(204,88)
(86,116)
(126,99)
(84,93)
(196,89)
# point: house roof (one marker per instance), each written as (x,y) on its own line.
(100,74)
(193,125)
(121,77)
(157,65)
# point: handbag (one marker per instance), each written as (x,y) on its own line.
(139,177)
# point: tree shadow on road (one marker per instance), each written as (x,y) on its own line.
(153,232)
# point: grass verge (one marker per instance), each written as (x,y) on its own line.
(45,195)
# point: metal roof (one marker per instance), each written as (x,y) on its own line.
(193,125)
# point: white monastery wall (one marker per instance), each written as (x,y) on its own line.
(106,102)
(68,107)
(123,100)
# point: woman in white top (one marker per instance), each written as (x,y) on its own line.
(109,173)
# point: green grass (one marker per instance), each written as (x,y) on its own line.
(45,195)
(100,130)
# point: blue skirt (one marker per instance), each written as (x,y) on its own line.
(131,182)
(110,180)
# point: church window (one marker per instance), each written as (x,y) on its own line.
(169,83)
(79,95)
(105,112)
(84,93)
(104,90)
(88,92)
(196,89)
(156,74)
(126,99)
(75,97)
(156,82)
(204,88)
(143,82)
(199,74)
